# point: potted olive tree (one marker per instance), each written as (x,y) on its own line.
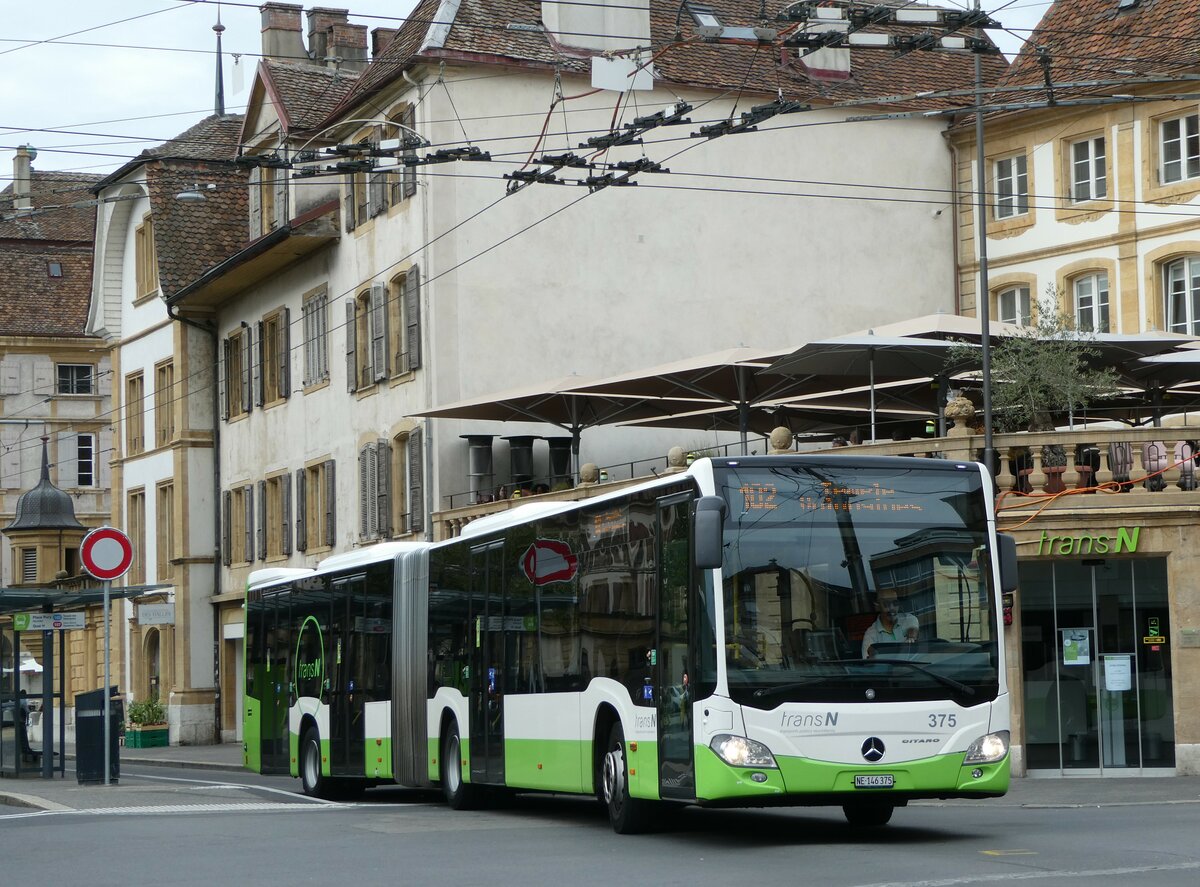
(147,724)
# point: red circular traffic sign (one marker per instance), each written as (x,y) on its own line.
(106,553)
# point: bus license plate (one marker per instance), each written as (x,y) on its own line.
(874,780)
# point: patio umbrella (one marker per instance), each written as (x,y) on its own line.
(942,326)
(870,358)
(554,402)
(800,418)
(723,380)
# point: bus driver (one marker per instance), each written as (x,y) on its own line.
(890,626)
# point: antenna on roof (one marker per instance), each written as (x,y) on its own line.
(219,102)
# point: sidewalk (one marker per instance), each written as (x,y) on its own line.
(66,794)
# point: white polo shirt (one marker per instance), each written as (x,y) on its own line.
(877,634)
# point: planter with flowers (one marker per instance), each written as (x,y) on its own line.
(147,725)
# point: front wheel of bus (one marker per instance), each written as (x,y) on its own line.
(315,785)
(868,815)
(459,794)
(628,815)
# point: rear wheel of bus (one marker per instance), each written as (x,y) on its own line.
(868,815)
(628,815)
(315,785)
(460,795)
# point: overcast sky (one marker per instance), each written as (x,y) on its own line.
(133,73)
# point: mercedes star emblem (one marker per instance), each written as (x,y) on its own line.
(873,749)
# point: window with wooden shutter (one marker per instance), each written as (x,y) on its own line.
(383,488)
(248,526)
(301,513)
(410,172)
(261,535)
(285,513)
(135,524)
(416,474)
(254,195)
(222,376)
(412,315)
(379,332)
(284,350)
(135,415)
(280,215)
(164,403)
(377,183)
(368,477)
(330,504)
(164,521)
(248,369)
(351,345)
(258,373)
(226,528)
(349,205)
(316,337)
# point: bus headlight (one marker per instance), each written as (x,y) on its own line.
(738,751)
(988,749)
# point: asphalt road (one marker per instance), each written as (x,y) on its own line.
(182,827)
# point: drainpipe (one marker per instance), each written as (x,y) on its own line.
(211,330)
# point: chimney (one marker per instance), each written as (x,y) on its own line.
(349,44)
(381,39)
(281,35)
(22,190)
(320,20)
(586,25)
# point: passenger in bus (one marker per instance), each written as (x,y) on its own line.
(890,626)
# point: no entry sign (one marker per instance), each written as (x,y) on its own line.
(106,553)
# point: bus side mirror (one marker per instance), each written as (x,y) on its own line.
(1007,546)
(709,531)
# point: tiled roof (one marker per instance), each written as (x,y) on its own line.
(32,303)
(1094,39)
(480,28)
(213,138)
(52,189)
(191,237)
(308,92)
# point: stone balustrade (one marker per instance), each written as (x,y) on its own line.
(1127,460)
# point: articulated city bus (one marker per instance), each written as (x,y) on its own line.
(775,630)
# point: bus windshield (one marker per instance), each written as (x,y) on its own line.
(846,582)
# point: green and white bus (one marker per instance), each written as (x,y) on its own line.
(713,637)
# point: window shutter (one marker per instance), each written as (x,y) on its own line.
(377,194)
(412,315)
(383,464)
(351,348)
(285,514)
(222,363)
(350,206)
(248,502)
(259,370)
(366,492)
(416,498)
(300,522)
(262,520)
(254,193)
(410,172)
(65,462)
(226,525)
(247,345)
(285,353)
(330,504)
(379,331)
(281,199)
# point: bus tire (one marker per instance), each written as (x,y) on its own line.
(460,795)
(628,815)
(868,815)
(315,785)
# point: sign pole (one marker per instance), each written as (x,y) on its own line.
(107,685)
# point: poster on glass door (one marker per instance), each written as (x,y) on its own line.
(1076,646)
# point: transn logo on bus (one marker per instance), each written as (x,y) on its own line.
(549,560)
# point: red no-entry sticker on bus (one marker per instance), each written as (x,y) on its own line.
(549,560)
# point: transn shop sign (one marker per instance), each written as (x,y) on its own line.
(549,560)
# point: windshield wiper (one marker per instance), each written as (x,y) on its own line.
(787,688)
(952,684)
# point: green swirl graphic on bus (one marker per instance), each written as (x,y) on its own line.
(310,659)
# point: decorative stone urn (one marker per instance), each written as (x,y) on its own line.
(961,412)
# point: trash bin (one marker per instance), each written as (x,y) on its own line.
(89,736)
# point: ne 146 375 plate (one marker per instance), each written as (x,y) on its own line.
(874,780)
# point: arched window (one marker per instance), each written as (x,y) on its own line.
(1013,306)
(1181,290)
(1090,293)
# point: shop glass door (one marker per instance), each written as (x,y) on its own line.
(1097,680)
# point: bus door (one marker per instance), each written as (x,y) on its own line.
(267,682)
(488,664)
(347,730)
(676,768)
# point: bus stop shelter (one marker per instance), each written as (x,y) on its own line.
(52,612)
